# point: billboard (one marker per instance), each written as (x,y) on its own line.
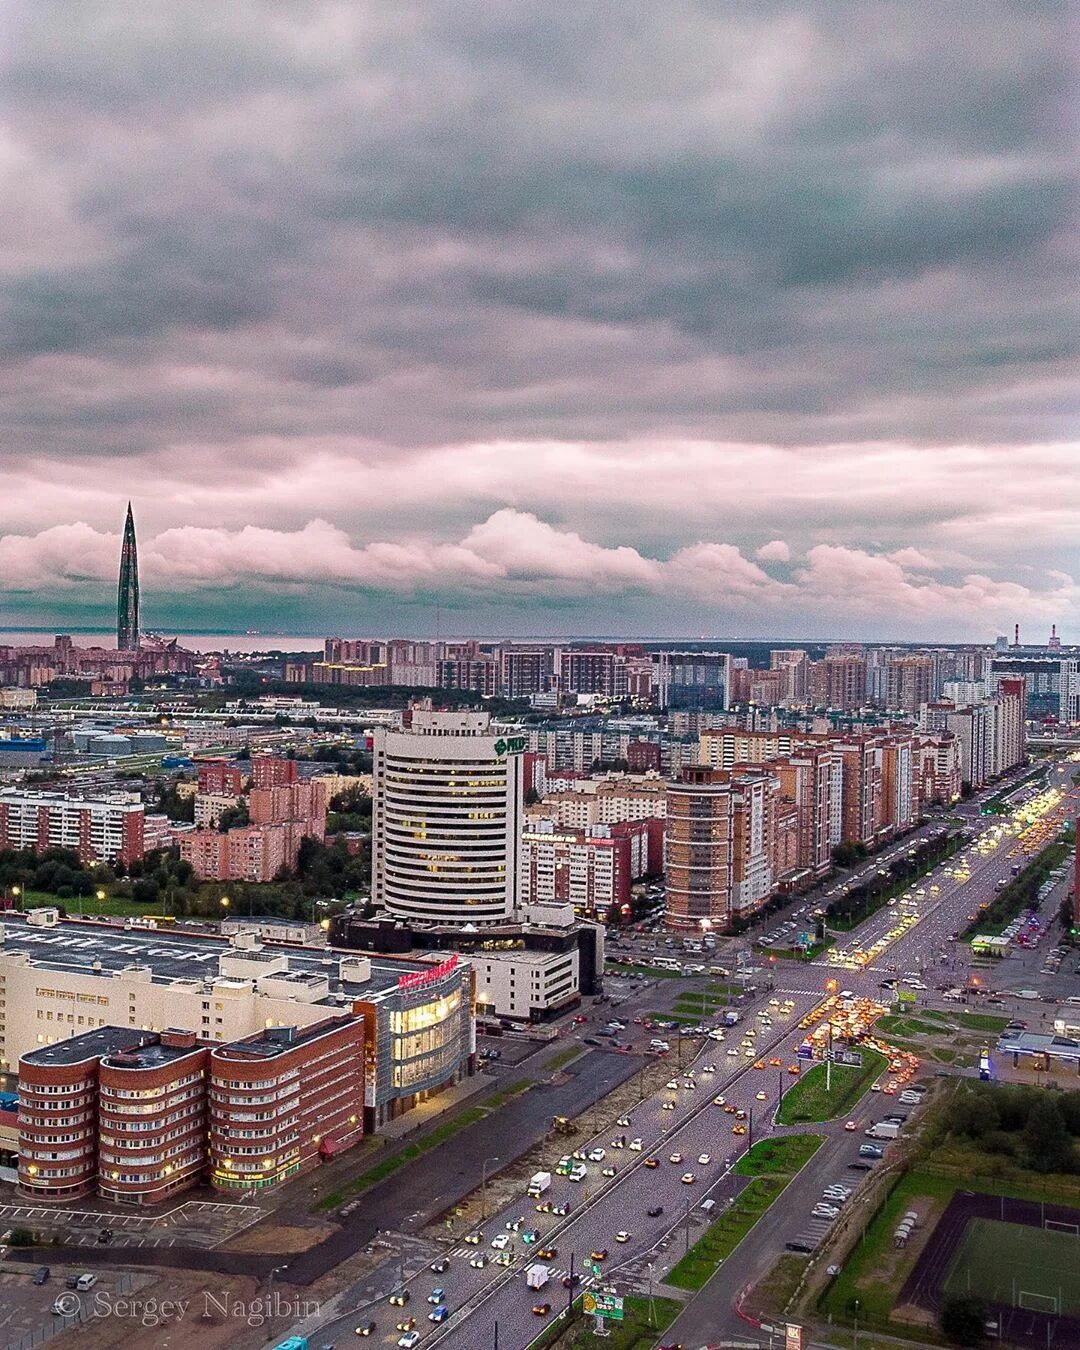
(595,1304)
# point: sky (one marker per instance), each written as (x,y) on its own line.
(705,318)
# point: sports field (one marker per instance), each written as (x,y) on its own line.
(1018,1266)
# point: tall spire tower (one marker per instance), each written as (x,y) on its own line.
(127,599)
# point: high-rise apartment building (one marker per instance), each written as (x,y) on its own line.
(99,829)
(446,819)
(699,848)
(909,683)
(845,681)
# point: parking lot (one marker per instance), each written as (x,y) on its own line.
(199,1223)
(26,1309)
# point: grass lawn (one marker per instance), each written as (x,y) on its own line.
(983,1021)
(643,1320)
(809,1101)
(673,1017)
(564,1057)
(772,1169)
(875,1269)
(389,1166)
(773,1291)
(87,904)
(780,1153)
(910,1026)
(694,1003)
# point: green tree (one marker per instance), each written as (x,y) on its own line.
(1047,1143)
(963,1319)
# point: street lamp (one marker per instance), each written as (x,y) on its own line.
(483,1187)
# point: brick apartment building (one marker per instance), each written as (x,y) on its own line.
(98,829)
(136,1116)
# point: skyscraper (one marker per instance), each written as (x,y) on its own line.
(127,600)
(446,820)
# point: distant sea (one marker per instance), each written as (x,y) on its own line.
(196,642)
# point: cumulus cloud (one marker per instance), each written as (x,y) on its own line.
(776,550)
(513,555)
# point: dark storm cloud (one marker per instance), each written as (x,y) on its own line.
(241,239)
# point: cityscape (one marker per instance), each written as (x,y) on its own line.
(539,678)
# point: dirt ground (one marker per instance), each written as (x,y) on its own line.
(271,1237)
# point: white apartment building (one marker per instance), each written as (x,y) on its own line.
(447,812)
(525,986)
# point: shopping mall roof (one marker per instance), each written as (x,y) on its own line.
(94,948)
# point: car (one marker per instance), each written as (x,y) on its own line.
(436,1295)
(399,1298)
(708,1068)
(652,1162)
(544,1207)
(761,1096)
(608,1171)
(474,1239)
(675,1158)
(440,1265)
(688,1178)
(668,1106)
(759,1064)
(500,1241)
(541,1309)
(704,1159)
(860,1166)
(654,1211)
(738,1129)
(568,1280)
(776,1062)
(672,1084)
(851,1126)
(622,1235)
(366,1329)
(562,1210)
(597,1155)
(730,1109)
(406,1324)
(793,1069)
(624,1122)
(636,1145)
(732,1051)
(547,1253)
(601,1254)
(478,1262)
(740,1114)
(824,1211)
(439,1314)
(719,1101)
(512,1225)
(407,1341)
(533,1235)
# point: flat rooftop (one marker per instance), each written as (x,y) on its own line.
(91,1044)
(1039,1043)
(273,1041)
(172,955)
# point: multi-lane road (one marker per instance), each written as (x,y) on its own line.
(685,1123)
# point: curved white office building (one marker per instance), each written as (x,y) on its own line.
(446,827)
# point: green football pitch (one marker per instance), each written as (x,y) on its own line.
(1019,1266)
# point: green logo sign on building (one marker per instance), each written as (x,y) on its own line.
(511,745)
